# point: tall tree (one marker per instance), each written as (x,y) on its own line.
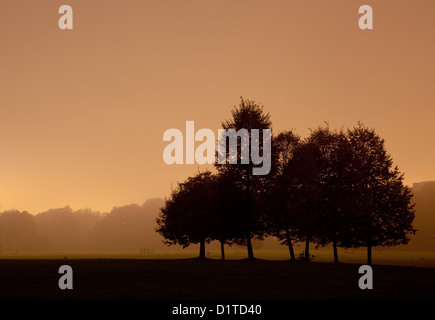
(185,217)
(383,212)
(334,166)
(248,115)
(279,200)
(227,213)
(305,187)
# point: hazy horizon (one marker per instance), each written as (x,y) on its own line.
(125,204)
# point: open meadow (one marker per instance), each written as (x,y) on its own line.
(159,276)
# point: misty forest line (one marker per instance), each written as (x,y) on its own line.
(124,228)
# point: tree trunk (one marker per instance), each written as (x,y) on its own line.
(290,245)
(250,251)
(334,245)
(250,207)
(307,248)
(202,249)
(369,253)
(222,250)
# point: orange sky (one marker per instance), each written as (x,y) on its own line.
(82,112)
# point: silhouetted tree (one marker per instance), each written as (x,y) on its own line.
(186,216)
(305,190)
(279,200)
(248,115)
(383,213)
(334,170)
(227,212)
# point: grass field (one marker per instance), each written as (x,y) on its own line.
(193,279)
(352,256)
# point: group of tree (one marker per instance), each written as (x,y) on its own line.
(334,187)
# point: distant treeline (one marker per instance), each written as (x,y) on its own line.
(336,187)
(125,228)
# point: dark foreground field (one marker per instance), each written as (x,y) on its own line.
(193,279)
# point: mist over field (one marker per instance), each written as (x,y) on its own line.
(131,228)
(125,228)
